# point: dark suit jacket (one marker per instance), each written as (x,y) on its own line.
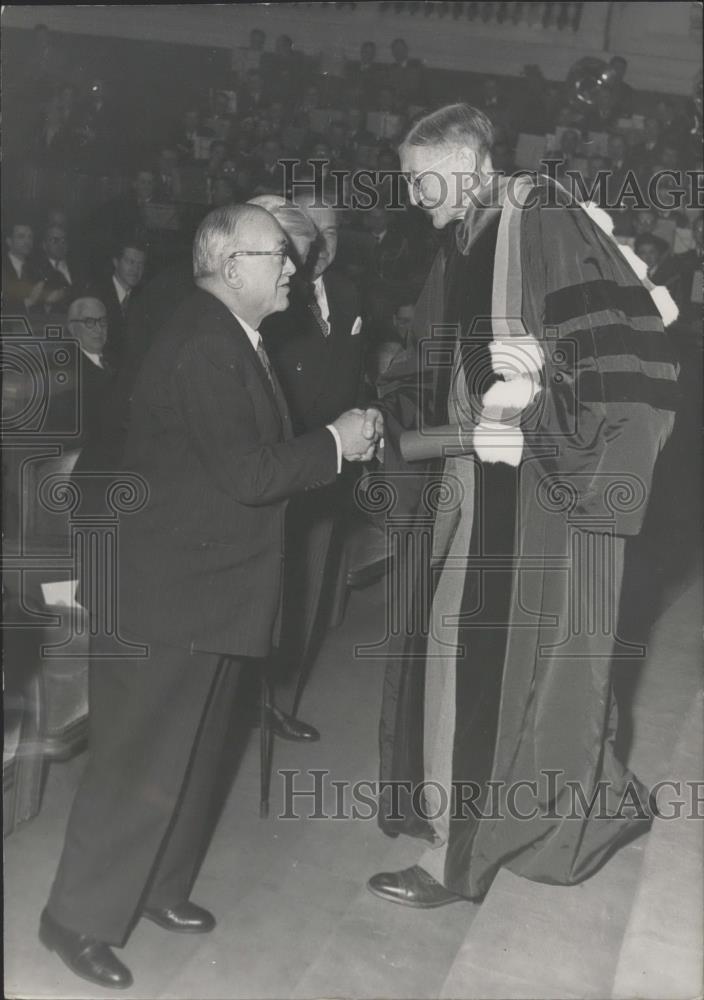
(201,562)
(406,80)
(321,376)
(117,320)
(100,446)
(15,290)
(56,280)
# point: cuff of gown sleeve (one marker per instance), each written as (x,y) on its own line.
(494,442)
(338,445)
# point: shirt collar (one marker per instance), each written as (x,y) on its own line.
(16,263)
(122,292)
(95,358)
(322,296)
(253,335)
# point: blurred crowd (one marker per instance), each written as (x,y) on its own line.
(133,204)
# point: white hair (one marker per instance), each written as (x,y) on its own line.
(216,234)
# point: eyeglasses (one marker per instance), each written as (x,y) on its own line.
(281,254)
(93,322)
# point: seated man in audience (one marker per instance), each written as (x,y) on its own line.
(690,265)
(405,76)
(222,191)
(402,321)
(61,271)
(23,288)
(648,152)
(89,394)
(116,293)
(365,74)
(167,185)
(622,92)
(248,57)
(662,267)
(252,95)
(87,322)
(269,179)
(126,216)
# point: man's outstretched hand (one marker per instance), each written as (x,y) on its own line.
(360,433)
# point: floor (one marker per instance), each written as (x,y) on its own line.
(294,916)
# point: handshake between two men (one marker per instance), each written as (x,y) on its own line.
(361,433)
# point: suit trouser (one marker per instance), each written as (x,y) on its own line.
(143,812)
(310,527)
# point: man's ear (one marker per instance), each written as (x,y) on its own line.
(231,274)
(469,159)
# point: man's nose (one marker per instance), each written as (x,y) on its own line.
(289,267)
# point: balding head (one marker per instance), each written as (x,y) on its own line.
(88,323)
(240,255)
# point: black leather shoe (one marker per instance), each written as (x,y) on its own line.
(90,959)
(411,887)
(186,918)
(287,728)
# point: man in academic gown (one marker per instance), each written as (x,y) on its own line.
(541,387)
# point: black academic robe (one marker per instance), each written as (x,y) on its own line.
(603,412)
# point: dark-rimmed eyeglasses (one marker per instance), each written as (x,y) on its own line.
(93,322)
(281,254)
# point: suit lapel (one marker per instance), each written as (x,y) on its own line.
(275,392)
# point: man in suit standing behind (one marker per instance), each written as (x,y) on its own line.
(200,576)
(316,350)
(116,292)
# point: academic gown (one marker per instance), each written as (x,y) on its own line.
(534,703)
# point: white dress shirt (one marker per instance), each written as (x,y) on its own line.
(62,267)
(16,263)
(95,358)
(255,339)
(120,289)
(321,298)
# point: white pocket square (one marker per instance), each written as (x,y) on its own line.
(356,327)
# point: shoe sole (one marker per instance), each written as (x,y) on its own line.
(178,930)
(50,946)
(416,905)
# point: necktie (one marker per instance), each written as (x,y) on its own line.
(317,313)
(266,364)
(124,304)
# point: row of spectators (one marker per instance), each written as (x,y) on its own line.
(228,144)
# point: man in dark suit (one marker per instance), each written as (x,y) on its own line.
(22,287)
(117,291)
(200,578)
(365,74)
(63,272)
(316,350)
(405,75)
(100,438)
